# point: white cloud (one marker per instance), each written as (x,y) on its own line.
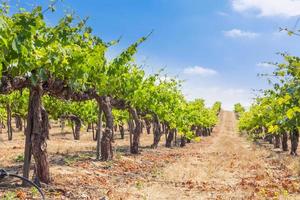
(197,70)
(222,14)
(237,33)
(267,8)
(265,65)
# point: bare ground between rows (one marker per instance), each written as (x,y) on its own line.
(75,172)
(223,166)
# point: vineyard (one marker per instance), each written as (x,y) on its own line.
(81,126)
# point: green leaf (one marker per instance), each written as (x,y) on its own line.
(3,24)
(4,41)
(15,46)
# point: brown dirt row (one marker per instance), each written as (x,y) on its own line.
(223,166)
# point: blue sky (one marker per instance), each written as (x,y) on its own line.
(216,46)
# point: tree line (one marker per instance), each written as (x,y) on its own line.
(61,72)
(275,113)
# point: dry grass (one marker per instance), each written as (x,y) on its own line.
(62,143)
(223,166)
(73,164)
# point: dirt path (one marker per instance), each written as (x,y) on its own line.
(224,166)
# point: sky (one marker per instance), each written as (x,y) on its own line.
(216,46)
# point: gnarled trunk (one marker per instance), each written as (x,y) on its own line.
(9,128)
(210,131)
(99,131)
(93,128)
(62,125)
(294,141)
(207,132)
(170,138)
(134,149)
(19,123)
(148,126)
(156,131)
(76,129)
(198,131)
(46,123)
(107,137)
(204,132)
(89,127)
(36,135)
(122,131)
(269,138)
(165,130)
(182,141)
(94,133)
(175,140)
(130,129)
(284,141)
(25,125)
(276,141)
